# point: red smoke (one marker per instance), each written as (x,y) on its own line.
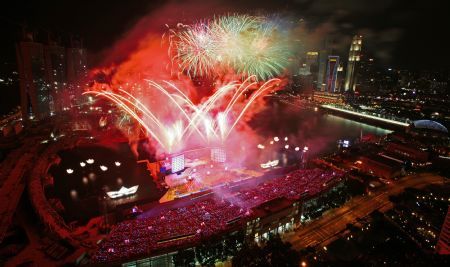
(142,53)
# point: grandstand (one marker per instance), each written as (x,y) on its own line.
(210,216)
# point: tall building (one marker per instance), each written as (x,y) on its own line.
(332,74)
(51,76)
(353,61)
(307,74)
(340,77)
(56,69)
(35,95)
(309,64)
(323,57)
(367,76)
(76,69)
(443,245)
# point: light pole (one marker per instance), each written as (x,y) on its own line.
(305,156)
(103,201)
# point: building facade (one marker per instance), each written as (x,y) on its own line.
(323,58)
(353,60)
(50,76)
(56,74)
(76,70)
(332,74)
(36,100)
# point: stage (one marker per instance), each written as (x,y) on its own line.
(201,173)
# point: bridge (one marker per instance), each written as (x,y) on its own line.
(377,117)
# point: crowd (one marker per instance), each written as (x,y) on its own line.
(295,185)
(198,220)
(168,229)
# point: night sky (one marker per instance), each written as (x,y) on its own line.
(402,34)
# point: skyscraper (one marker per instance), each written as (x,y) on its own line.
(323,57)
(332,72)
(55,68)
(309,64)
(76,68)
(353,60)
(34,91)
(51,75)
(307,74)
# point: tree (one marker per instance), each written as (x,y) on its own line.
(209,251)
(250,255)
(274,253)
(184,258)
(279,253)
(232,243)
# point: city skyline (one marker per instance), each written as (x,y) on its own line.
(390,38)
(320,26)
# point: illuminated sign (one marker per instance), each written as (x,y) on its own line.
(269,164)
(123,191)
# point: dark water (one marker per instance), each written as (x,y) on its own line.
(89,181)
(306,127)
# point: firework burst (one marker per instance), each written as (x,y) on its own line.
(195,50)
(247,45)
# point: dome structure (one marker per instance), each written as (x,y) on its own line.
(429,124)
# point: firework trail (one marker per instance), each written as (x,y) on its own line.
(194,118)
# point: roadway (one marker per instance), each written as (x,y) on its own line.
(333,222)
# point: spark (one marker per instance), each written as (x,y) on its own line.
(249,45)
(193,118)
